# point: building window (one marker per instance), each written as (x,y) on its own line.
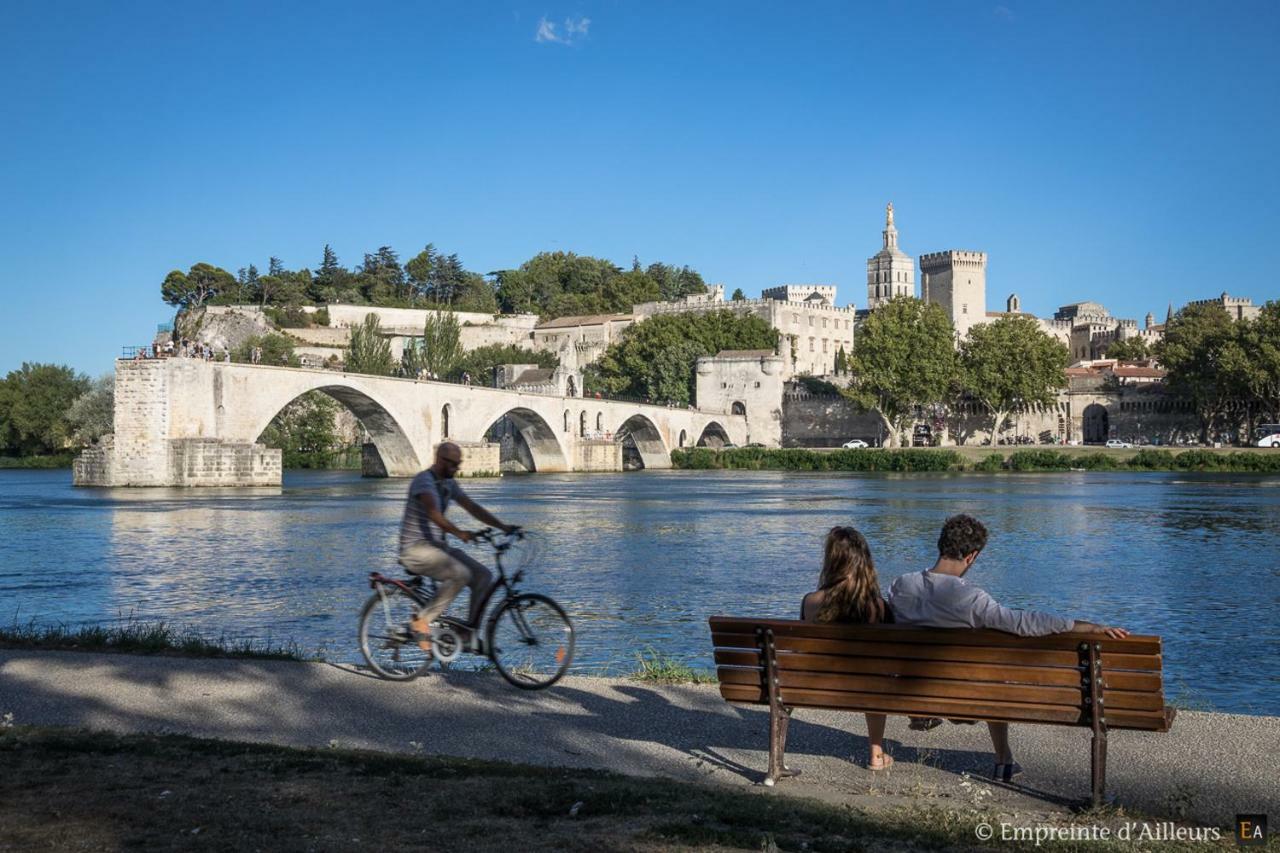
(824,344)
(757,383)
(811,321)
(964,309)
(824,322)
(810,344)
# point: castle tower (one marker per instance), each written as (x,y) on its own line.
(957,281)
(1013,304)
(890,272)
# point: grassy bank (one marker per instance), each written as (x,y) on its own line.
(978,459)
(147,638)
(61,460)
(92,791)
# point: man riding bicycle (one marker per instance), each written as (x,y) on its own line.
(422,547)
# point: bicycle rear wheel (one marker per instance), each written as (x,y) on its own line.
(531,641)
(386,640)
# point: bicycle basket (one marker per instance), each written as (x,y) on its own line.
(524,552)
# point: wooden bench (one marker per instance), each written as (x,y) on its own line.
(1075,679)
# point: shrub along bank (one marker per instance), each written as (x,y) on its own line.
(876,459)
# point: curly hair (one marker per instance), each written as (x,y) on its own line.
(848,581)
(961,536)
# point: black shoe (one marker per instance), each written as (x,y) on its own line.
(1006,772)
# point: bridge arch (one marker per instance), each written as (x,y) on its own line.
(394,449)
(535,444)
(713,435)
(642,444)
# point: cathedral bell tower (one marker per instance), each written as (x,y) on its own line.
(890,272)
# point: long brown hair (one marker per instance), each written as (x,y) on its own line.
(851,590)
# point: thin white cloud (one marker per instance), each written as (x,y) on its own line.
(574,30)
(1004,12)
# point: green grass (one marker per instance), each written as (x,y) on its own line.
(657,668)
(799,459)
(148,638)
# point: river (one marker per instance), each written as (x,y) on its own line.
(641,560)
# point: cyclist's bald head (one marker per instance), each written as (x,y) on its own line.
(448,452)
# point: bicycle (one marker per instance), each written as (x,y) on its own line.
(528,636)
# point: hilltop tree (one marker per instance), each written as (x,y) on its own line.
(331,279)
(675,282)
(656,358)
(196,286)
(738,295)
(1010,365)
(481,361)
(369,351)
(91,415)
(903,358)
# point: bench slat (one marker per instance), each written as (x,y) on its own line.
(958,653)
(994,673)
(951,708)
(944,688)
(1135,644)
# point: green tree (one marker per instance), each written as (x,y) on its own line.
(1010,365)
(277,350)
(382,280)
(842,361)
(1264,352)
(91,415)
(1201,350)
(903,358)
(196,286)
(304,432)
(481,361)
(656,358)
(675,282)
(1129,349)
(476,295)
(332,281)
(440,349)
(738,295)
(369,350)
(34,402)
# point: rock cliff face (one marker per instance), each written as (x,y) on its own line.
(222,327)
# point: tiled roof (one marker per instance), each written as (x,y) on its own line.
(1139,372)
(536,376)
(584,320)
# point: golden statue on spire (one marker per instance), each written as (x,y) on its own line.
(888,215)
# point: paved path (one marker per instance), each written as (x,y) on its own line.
(1207,769)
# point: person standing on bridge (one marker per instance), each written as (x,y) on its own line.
(422,546)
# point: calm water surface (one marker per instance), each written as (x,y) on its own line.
(642,559)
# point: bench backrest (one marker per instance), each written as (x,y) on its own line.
(958,673)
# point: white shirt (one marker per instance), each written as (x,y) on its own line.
(937,600)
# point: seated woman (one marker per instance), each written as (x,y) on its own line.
(849,591)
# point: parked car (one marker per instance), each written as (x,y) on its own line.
(1115,442)
(855,442)
(754,444)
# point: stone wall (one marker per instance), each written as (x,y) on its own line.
(211,462)
(824,420)
(598,456)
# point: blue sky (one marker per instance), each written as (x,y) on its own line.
(1121,152)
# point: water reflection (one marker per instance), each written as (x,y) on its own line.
(642,559)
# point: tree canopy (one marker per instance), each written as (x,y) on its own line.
(1010,365)
(34,402)
(656,358)
(439,350)
(196,286)
(481,361)
(1129,349)
(903,358)
(369,351)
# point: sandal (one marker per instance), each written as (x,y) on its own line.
(885,762)
(422,631)
(923,724)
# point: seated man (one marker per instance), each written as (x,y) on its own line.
(939,598)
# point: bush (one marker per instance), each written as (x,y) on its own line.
(796,459)
(1097,462)
(1198,460)
(1039,460)
(289,317)
(321,317)
(1152,460)
(993,462)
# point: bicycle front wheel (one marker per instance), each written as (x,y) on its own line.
(531,641)
(386,640)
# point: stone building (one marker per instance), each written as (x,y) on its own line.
(890,272)
(956,281)
(825,293)
(812,330)
(1239,307)
(744,382)
(589,335)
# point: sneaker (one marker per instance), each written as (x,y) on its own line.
(1006,772)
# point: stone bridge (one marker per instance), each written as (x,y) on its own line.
(188,422)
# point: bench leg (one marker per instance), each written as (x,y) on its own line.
(779,720)
(1098,766)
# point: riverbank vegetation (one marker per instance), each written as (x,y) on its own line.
(65,789)
(143,637)
(47,410)
(975,460)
